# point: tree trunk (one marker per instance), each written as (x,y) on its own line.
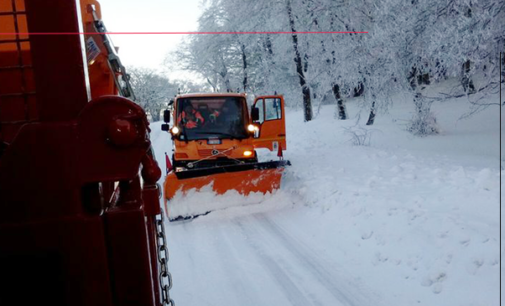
(358,91)
(307,104)
(371,118)
(211,84)
(423,122)
(226,80)
(466,81)
(156,115)
(342,113)
(244,64)
(268,45)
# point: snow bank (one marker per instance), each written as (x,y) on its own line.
(417,217)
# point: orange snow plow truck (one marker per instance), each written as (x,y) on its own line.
(214,144)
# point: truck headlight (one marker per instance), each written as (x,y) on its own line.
(175,130)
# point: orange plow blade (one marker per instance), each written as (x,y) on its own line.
(218,181)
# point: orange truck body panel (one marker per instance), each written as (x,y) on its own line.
(198,149)
(16,109)
(272,132)
(101,78)
(19,100)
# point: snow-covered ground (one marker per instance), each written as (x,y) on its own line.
(404,221)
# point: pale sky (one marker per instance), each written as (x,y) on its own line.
(149,16)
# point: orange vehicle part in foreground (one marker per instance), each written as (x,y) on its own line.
(79,223)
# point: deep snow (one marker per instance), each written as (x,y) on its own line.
(404,221)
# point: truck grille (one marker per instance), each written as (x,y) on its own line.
(208,152)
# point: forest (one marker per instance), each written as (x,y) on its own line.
(384,47)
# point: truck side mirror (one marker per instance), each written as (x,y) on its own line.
(255,114)
(166,116)
(165,127)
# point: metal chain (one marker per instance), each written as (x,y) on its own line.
(165,277)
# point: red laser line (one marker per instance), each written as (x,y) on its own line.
(179,33)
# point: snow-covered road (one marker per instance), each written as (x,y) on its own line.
(256,260)
(254,255)
(405,221)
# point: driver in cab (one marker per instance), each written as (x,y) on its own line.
(190,117)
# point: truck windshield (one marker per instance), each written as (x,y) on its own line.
(211,117)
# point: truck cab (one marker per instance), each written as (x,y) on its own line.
(217,129)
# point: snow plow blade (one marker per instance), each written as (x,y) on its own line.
(248,178)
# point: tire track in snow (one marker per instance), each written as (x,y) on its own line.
(237,276)
(294,295)
(315,265)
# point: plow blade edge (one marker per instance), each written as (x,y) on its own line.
(262,177)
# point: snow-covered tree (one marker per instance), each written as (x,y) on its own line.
(152,90)
(410,45)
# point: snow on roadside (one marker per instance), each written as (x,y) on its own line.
(420,224)
(415,219)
